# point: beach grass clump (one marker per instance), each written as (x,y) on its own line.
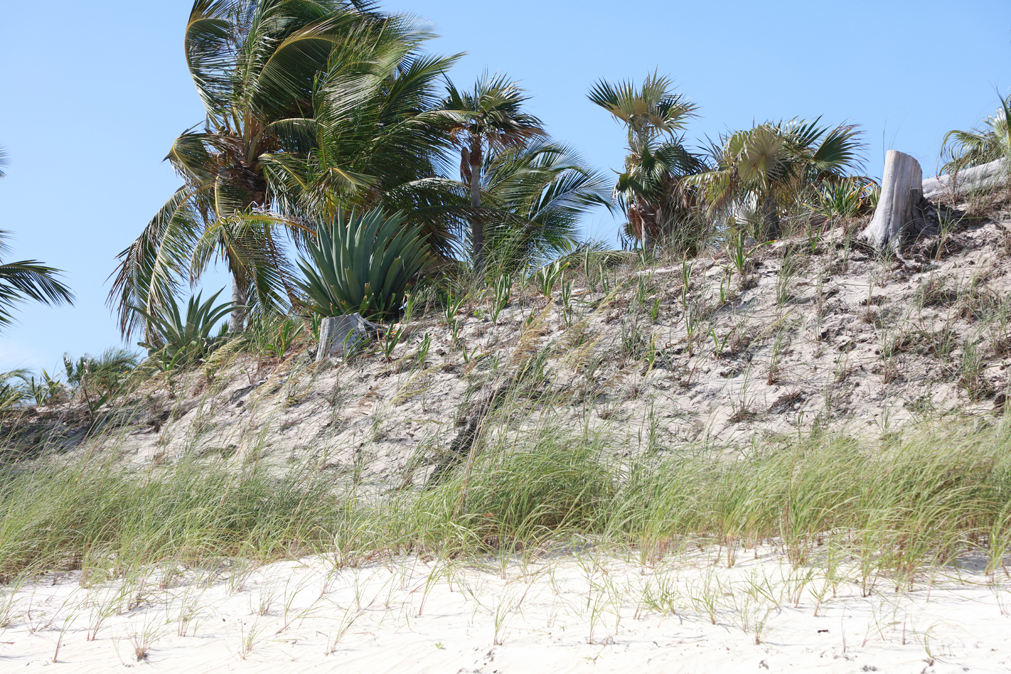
(897,504)
(520,496)
(893,505)
(108,519)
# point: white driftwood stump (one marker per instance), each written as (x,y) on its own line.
(901,193)
(340,335)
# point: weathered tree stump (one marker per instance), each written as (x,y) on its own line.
(341,335)
(897,214)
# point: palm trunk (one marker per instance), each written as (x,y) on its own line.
(646,213)
(770,216)
(476,227)
(646,216)
(237,321)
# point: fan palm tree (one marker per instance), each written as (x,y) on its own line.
(490,119)
(534,197)
(650,190)
(28,279)
(772,165)
(979,146)
(380,139)
(254,64)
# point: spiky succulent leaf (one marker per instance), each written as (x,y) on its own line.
(364,263)
(190,335)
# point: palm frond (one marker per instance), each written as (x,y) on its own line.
(965,149)
(648,111)
(535,197)
(209,55)
(152,268)
(28,280)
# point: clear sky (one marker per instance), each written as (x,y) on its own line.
(93,93)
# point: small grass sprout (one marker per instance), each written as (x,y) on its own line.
(547,277)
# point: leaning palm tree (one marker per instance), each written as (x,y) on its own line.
(490,120)
(534,198)
(965,149)
(254,64)
(774,165)
(28,279)
(650,190)
(3,160)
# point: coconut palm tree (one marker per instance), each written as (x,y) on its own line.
(534,198)
(981,145)
(380,142)
(3,160)
(255,65)
(771,166)
(28,279)
(650,190)
(490,119)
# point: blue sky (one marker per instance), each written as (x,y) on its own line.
(94,93)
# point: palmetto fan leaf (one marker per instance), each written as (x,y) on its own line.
(362,263)
(965,149)
(773,164)
(651,191)
(649,110)
(841,150)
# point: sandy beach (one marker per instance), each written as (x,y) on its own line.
(578,612)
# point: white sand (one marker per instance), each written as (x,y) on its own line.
(585,612)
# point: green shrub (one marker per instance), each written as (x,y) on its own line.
(98,380)
(12,392)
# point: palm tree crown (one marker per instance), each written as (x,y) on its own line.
(979,146)
(650,190)
(536,195)
(490,118)
(379,140)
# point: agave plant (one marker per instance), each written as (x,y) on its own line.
(363,263)
(182,340)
